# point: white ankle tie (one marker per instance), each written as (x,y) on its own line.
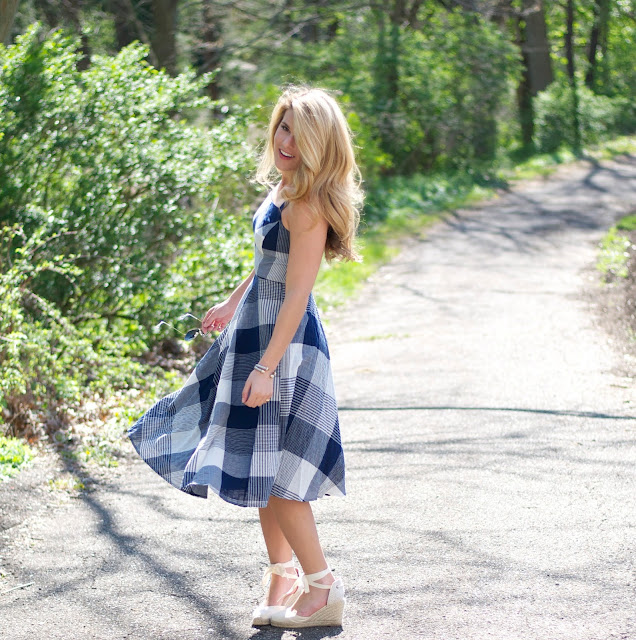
(279,570)
(306,580)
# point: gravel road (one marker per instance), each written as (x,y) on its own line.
(490,434)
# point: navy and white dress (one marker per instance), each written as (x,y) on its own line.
(204,436)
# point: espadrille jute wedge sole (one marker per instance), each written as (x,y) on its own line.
(263,613)
(328,616)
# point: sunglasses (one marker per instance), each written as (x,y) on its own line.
(191,334)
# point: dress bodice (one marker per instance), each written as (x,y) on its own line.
(271,242)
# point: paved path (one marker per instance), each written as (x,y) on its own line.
(490,430)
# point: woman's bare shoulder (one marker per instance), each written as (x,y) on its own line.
(302,217)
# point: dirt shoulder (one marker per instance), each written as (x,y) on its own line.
(614,303)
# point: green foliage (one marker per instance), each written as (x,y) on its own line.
(113,214)
(399,198)
(418,98)
(614,255)
(615,72)
(104,164)
(600,117)
(50,363)
(454,75)
(14,454)
(338,281)
(628,223)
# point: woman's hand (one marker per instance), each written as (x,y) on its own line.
(258,389)
(218,316)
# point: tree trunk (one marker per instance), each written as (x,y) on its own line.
(71,12)
(393,71)
(310,32)
(386,78)
(598,37)
(537,48)
(8,10)
(208,54)
(129,26)
(569,54)
(531,37)
(124,20)
(51,15)
(524,89)
(164,14)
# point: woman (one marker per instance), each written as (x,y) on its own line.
(257,421)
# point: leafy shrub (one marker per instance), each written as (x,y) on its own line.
(599,116)
(13,455)
(115,212)
(420,99)
(105,162)
(49,363)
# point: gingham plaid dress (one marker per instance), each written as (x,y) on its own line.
(204,436)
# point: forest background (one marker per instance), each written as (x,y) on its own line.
(129,132)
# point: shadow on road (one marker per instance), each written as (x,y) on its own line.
(553,412)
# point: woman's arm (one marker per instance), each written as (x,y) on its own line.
(307,245)
(220,314)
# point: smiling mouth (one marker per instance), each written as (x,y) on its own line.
(285,155)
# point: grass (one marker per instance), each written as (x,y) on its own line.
(338,281)
(628,223)
(67,482)
(613,256)
(541,165)
(614,250)
(14,454)
(544,164)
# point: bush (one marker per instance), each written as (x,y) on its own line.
(419,99)
(115,212)
(600,117)
(13,455)
(105,162)
(50,364)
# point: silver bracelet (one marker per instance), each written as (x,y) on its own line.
(261,368)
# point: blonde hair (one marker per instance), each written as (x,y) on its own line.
(328,179)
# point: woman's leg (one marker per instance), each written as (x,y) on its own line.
(278,550)
(296,522)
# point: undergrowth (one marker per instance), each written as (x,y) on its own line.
(614,255)
(14,454)
(616,263)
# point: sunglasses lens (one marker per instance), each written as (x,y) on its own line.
(193,333)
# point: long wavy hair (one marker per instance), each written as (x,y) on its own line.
(328,178)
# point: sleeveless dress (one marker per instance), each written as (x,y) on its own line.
(204,436)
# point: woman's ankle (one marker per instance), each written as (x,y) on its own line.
(324,576)
(279,589)
(328,579)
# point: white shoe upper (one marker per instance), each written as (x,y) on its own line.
(263,613)
(330,614)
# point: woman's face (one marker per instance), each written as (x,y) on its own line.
(286,154)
